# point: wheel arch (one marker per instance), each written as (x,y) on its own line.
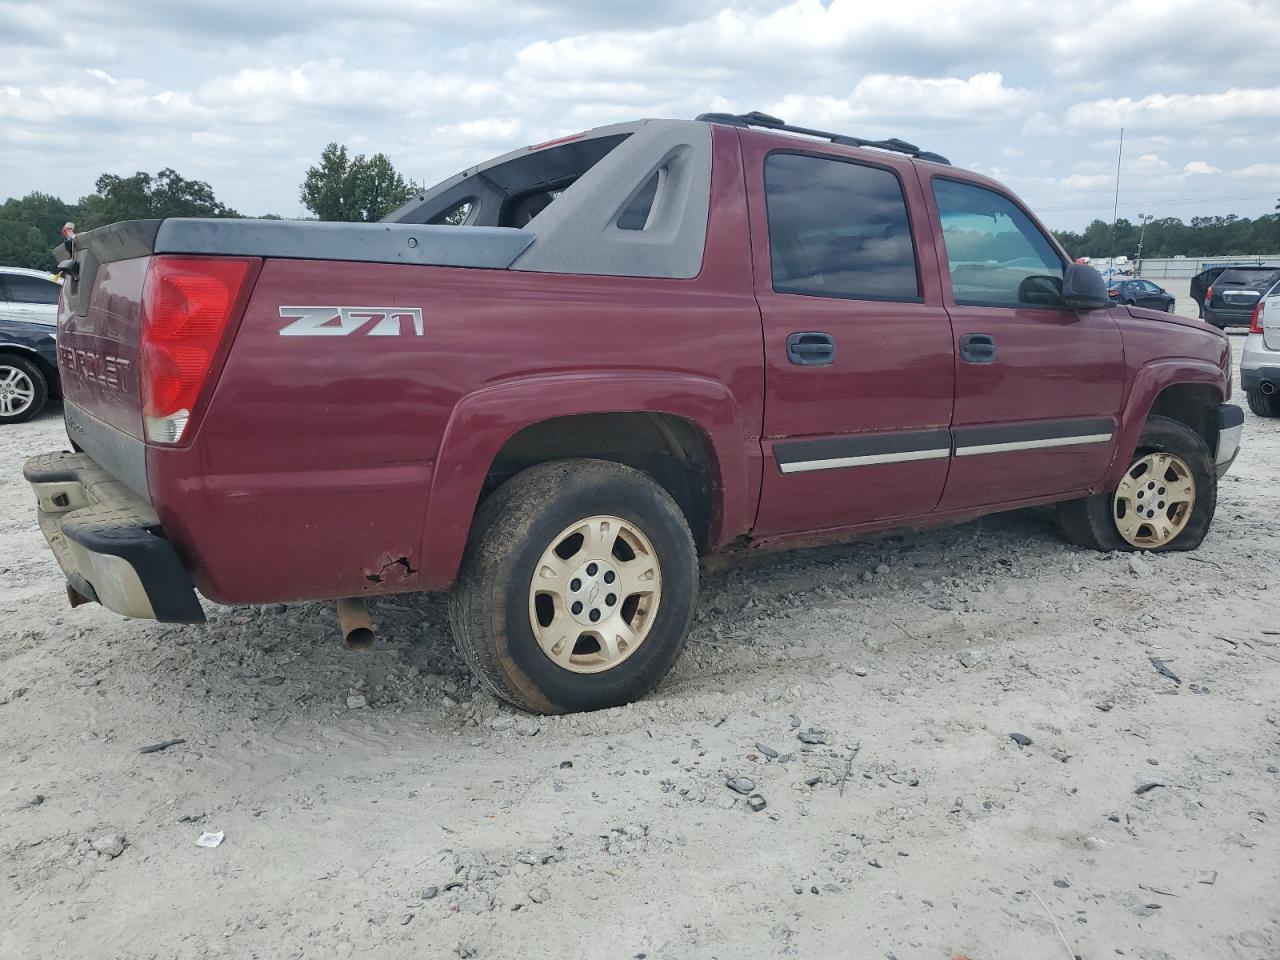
(683,430)
(672,449)
(1185,390)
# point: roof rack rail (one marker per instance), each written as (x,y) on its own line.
(757,119)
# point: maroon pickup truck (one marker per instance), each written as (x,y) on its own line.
(553,382)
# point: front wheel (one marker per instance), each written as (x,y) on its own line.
(577,589)
(1164,501)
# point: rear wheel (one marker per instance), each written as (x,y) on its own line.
(1164,501)
(1263,405)
(577,589)
(23,389)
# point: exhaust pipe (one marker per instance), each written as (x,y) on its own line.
(1268,387)
(76,598)
(354,622)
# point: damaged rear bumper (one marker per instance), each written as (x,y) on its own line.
(108,542)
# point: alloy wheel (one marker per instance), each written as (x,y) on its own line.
(1154,500)
(594,594)
(17,392)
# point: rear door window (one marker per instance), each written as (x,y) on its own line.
(1248,278)
(996,255)
(838,229)
(31,289)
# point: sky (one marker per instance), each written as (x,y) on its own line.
(245,93)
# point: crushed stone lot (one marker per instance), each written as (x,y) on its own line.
(949,744)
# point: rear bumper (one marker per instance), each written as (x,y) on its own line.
(1258,364)
(107,541)
(1226,317)
(1252,378)
(1230,426)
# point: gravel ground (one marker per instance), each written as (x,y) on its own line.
(376,805)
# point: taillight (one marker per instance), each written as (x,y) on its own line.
(1114,294)
(1208,295)
(1255,321)
(186,306)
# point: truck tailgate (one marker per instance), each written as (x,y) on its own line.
(98,342)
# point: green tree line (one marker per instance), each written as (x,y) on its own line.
(1228,236)
(339,187)
(359,188)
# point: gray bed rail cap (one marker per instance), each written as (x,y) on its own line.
(485,247)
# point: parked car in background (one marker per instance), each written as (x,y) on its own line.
(1202,283)
(1260,363)
(28,351)
(1140,293)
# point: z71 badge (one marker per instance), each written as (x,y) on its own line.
(346,321)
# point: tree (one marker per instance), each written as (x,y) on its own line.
(143,196)
(23,245)
(353,189)
(30,227)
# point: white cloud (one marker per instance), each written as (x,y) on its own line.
(1087,181)
(1159,110)
(1260,171)
(1039,125)
(245,94)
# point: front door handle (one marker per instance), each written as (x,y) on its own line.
(978,348)
(811,349)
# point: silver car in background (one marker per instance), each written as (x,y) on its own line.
(1260,363)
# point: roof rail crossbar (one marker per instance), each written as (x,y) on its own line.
(757,119)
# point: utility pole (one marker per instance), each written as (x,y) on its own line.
(1144,219)
(1115,212)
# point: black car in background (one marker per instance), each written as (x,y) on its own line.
(1203,280)
(1140,293)
(1230,300)
(28,350)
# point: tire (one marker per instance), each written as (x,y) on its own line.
(1201,314)
(497,615)
(1263,405)
(1093,521)
(23,389)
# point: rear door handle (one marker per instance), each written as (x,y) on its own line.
(978,348)
(811,349)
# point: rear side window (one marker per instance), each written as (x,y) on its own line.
(635,215)
(31,289)
(996,256)
(838,229)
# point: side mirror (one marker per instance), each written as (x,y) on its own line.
(1083,288)
(1041,291)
